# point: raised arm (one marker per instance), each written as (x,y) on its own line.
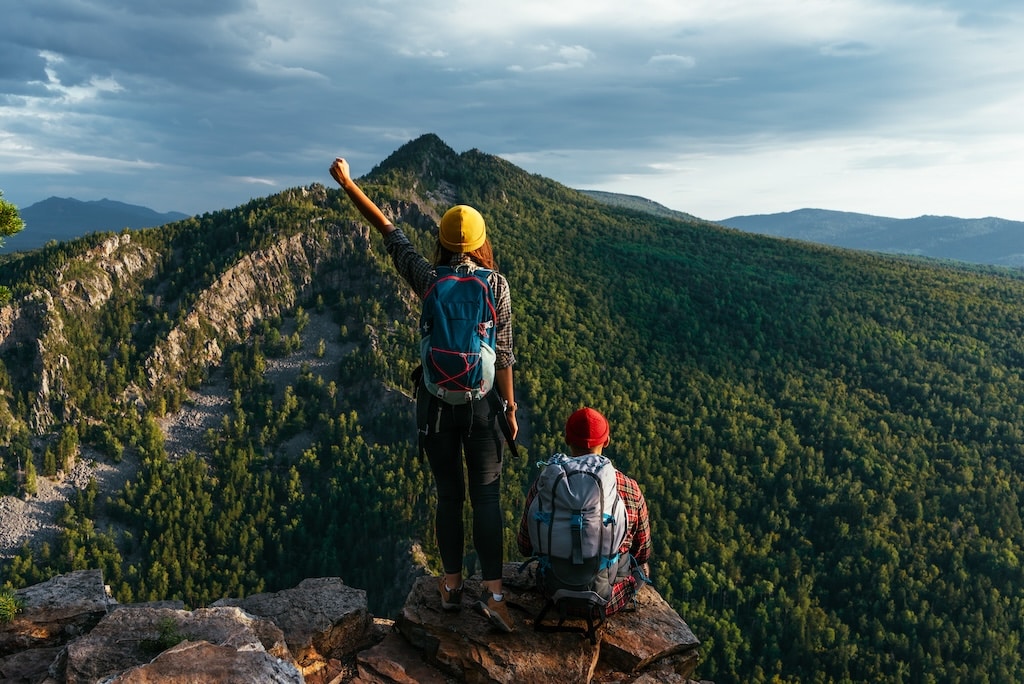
(370,211)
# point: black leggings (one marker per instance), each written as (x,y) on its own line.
(472,430)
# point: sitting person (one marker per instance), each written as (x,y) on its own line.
(587,435)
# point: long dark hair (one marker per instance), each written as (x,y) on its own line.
(482,255)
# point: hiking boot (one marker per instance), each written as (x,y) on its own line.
(495,611)
(451,599)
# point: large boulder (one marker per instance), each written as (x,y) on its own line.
(201,661)
(134,636)
(651,638)
(321,618)
(56,611)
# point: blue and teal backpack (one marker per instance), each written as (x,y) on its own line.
(458,335)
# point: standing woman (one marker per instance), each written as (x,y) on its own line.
(470,431)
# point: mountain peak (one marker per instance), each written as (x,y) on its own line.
(427,156)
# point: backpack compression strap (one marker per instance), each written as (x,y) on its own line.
(576,525)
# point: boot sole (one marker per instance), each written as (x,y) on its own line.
(493,618)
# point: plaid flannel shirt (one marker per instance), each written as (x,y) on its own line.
(637,542)
(420,273)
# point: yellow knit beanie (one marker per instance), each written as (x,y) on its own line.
(462,229)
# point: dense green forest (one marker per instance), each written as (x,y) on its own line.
(830,442)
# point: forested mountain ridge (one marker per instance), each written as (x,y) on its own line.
(639,204)
(830,442)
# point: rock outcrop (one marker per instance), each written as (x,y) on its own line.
(259,286)
(650,639)
(319,632)
(85,283)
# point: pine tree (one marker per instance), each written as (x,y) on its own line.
(30,486)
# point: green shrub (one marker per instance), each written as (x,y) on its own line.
(168,637)
(10,605)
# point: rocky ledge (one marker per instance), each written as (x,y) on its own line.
(319,632)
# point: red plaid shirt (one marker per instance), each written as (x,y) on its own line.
(637,542)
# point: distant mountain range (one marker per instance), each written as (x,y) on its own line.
(992,241)
(65,218)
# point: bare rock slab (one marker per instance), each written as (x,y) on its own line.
(395,661)
(201,661)
(56,611)
(634,639)
(134,635)
(322,618)
(652,639)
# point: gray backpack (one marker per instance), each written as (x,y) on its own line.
(577,524)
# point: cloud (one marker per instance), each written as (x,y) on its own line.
(190,105)
(257,181)
(95,87)
(560,58)
(675,61)
(855,48)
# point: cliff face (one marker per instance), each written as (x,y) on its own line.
(196,323)
(259,285)
(83,284)
(320,632)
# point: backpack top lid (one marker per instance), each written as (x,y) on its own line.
(458,331)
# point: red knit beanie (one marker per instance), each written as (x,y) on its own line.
(586,428)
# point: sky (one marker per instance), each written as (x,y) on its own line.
(718,108)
